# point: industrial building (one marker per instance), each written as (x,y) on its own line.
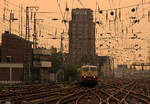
(41,64)
(106,65)
(12,67)
(81,37)
(12,57)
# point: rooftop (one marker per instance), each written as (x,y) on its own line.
(15,36)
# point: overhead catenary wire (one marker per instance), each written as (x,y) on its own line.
(54,27)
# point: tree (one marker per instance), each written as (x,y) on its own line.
(53,49)
(56,59)
(70,72)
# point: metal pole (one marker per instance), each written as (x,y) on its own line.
(21,20)
(34,34)
(4,12)
(10,74)
(10,19)
(27,23)
(26,46)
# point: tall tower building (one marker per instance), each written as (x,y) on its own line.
(81,37)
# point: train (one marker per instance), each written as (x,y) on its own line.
(88,74)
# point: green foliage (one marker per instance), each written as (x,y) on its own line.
(70,71)
(35,75)
(53,50)
(1,86)
(57,61)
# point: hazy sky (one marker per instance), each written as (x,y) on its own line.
(49,27)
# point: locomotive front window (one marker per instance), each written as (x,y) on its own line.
(85,69)
(93,69)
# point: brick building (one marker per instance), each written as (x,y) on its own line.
(12,57)
(13,48)
(81,37)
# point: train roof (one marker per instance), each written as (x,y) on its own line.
(88,66)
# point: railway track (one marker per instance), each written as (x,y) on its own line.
(124,94)
(117,91)
(84,96)
(40,95)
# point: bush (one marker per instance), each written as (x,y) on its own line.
(1,86)
(70,72)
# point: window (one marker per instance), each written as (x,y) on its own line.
(8,58)
(93,68)
(85,69)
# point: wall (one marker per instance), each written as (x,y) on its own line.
(13,45)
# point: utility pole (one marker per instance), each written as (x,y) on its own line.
(27,58)
(35,33)
(4,12)
(12,18)
(27,36)
(61,50)
(61,42)
(21,20)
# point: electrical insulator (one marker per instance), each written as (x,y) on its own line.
(100,11)
(64,21)
(12,16)
(67,9)
(97,22)
(54,19)
(133,9)
(112,13)
(135,21)
(101,45)
(101,34)
(136,45)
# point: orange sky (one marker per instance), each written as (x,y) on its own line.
(50,26)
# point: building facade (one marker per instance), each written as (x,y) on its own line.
(81,37)
(41,64)
(12,58)
(106,65)
(13,48)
